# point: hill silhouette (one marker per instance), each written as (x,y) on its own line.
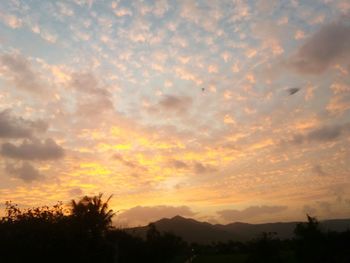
(193,231)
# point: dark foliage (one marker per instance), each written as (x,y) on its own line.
(83,233)
(265,248)
(53,234)
(312,245)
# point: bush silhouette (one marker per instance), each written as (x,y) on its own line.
(55,234)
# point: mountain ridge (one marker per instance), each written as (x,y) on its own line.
(194,231)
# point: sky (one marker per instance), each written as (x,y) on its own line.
(220,111)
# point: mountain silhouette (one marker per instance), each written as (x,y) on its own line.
(204,233)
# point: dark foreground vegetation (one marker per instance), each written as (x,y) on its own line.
(82,232)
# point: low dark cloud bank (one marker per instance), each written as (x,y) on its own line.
(250,212)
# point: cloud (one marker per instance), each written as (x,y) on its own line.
(200,168)
(11,20)
(175,103)
(19,70)
(127,163)
(178,164)
(93,97)
(76,191)
(307,209)
(171,104)
(325,206)
(322,134)
(146,214)
(87,83)
(338,104)
(161,7)
(250,212)
(25,172)
(33,150)
(318,170)
(93,106)
(195,166)
(326,133)
(330,44)
(13,128)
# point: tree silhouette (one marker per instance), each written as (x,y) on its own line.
(92,215)
(310,241)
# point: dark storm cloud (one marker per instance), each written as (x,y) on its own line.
(250,212)
(330,44)
(33,150)
(12,127)
(153,213)
(25,172)
(20,71)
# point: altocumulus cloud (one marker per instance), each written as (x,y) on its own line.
(329,45)
(33,150)
(249,212)
(145,214)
